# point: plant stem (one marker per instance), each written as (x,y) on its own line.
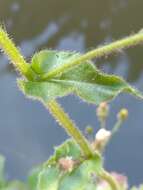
(97,53)
(64,120)
(103,124)
(117,126)
(18,60)
(110,180)
(69,126)
(14,55)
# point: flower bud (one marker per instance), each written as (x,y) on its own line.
(89,130)
(101,139)
(102,135)
(66,164)
(102,111)
(123,114)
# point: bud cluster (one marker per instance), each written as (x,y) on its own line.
(102,113)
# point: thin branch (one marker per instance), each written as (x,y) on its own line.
(116,46)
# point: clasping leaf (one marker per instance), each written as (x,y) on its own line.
(84,80)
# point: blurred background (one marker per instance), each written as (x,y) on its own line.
(28,132)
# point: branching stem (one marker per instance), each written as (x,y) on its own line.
(15,56)
(110,180)
(24,68)
(97,53)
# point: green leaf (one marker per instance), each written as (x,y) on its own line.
(84,80)
(48,60)
(68,149)
(82,178)
(33,178)
(51,177)
(48,177)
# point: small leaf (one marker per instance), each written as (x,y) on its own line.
(44,91)
(49,179)
(52,177)
(49,176)
(68,149)
(82,177)
(48,60)
(33,178)
(84,80)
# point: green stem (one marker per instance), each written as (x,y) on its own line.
(110,180)
(97,53)
(103,123)
(18,60)
(14,55)
(64,120)
(115,129)
(117,126)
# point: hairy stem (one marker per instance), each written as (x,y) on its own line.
(24,68)
(97,53)
(14,55)
(64,120)
(110,180)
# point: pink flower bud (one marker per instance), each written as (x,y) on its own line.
(66,164)
(102,111)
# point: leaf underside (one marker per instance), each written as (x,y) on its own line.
(84,80)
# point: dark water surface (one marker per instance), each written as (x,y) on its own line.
(27,131)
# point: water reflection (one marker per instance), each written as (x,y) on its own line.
(37,25)
(66,24)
